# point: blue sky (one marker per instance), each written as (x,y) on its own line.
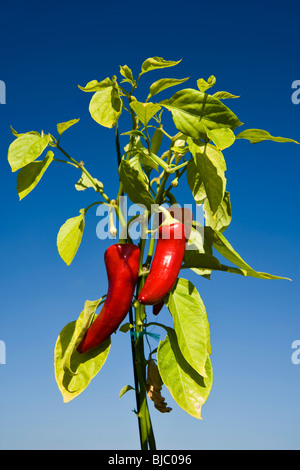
(49,48)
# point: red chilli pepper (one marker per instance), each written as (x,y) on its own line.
(122,266)
(167,259)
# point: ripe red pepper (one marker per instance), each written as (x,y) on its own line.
(122,266)
(167,259)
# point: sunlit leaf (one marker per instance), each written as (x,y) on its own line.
(63,126)
(188,388)
(204,85)
(69,237)
(194,111)
(74,371)
(190,324)
(257,135)
(29,176)
(163,84)
(26,149)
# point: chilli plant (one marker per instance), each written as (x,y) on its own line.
(143,271)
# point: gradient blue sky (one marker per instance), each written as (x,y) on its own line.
(47,49)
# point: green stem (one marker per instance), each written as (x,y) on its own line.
(175,168)
(137,345)
(99,189)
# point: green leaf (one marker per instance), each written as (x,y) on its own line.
(205,85)
(134,183)
(163,84)
(190,324)
(106,105)
(16,134)
(126,72)
(94,85)
(144,111)
(63,126)
(194,111)
(125,389)
(258,135)
(188,388)
(69,237)
(223,95)
(157,63)
(195,182)
(26,149)
(29,176)
(198,245)
(85,182)
(222,138)
(125,327)
(74,371)
(222,218)
(222,245)
(148,159)
(156,141)
(211,166)
(83,323)
(135,132)
(201,261)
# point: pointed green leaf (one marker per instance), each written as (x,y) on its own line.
(190,324)
(83,367)
(26,149)
(106,106)
(204,85)
(144,111)
(163,84)
(63,126)
(222,245)
(94,85)
(85,182)
(222,218)
(16,134)
(29,176)
(258,135)
(211,166)
(135,132)
(193,111)
(125,389)
(134,183)
(126,72)
(188,388)
(156,141)
(69,237)
(223,95)
(157,63)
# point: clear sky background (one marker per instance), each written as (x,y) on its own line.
(47,49)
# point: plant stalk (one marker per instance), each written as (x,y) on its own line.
(147,440)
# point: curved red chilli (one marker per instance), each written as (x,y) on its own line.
(122,266)
(167,259)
